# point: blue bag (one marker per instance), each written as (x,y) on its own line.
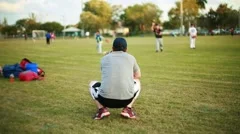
(32,67)
(12,69)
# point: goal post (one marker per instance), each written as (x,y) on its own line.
(38,34)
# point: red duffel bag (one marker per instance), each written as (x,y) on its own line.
(28,76)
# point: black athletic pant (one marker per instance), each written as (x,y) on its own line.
(48,41)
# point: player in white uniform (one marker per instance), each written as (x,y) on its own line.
(192,34)
(87,34)
(34,37)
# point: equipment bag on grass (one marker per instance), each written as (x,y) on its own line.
(31,67)
(26,64)
(12,69)
(40,72)
(28,76)
(23,63)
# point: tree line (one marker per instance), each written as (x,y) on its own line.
(138,18)
(223,17)
(26,25)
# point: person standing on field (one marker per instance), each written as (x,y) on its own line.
(193,35)
(120,84)
(25,36)
(99,40)
(48,37)
(232,31)
(158,34)
(53,37)
(34,36)
(87,34)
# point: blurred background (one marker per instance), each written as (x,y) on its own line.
(18,18)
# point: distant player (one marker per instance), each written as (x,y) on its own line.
(193,35)
(232,31)
(53,37)
(87,34)
(75,35)
(158,34)
(25,36)
(99,40)
(48,37)
(34,36)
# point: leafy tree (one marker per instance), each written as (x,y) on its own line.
(52,27)
(212,18)
(5,23)
(139,17)
(96,15)
(1,26)
(174,17)
(222,17)
(168,25)
(32,16)
(117,16)
(79,25)
(202,21)
(90,21)
(21,24)
(9,30)
(226,16)
(28,24)
(190,13)
(202,3)
(31,25)
(232,19)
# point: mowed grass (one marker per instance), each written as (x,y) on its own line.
(183,90)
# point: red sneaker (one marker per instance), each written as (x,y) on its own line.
(102,112)
(128,113)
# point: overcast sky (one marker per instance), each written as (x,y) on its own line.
(68,11)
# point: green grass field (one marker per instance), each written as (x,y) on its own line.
(183,90)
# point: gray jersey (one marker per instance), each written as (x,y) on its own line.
(117,69)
